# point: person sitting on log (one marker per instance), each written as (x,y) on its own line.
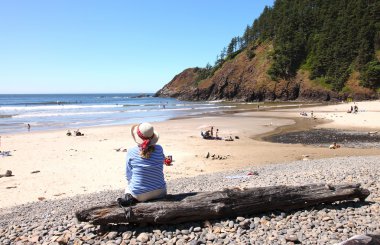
(144,167)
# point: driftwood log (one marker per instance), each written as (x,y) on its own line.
(368,239)
(227,203)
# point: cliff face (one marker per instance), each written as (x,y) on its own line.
(244,79)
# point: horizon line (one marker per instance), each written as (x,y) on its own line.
(79,93)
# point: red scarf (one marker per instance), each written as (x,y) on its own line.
(146,141)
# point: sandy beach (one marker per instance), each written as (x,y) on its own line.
(365,119)
(51,165)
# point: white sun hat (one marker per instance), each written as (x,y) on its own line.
(144,132)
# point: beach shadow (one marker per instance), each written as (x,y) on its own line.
(343,205)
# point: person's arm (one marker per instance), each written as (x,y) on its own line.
(128,166)
(161,152)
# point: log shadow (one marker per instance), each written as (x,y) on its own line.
(342,205)
(175,197)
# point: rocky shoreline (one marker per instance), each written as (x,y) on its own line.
(53,222)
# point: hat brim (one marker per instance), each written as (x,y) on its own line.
(138,140)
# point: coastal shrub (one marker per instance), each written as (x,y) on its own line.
(371,75)
(250,54)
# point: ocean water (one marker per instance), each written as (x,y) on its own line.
(74,111)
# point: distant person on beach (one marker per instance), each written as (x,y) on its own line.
(212,131)
(356,109)
(28,127)
(217,135)
(229,138)
(206,135)
(68,133)
(78,133)
(334,146)
(144,167)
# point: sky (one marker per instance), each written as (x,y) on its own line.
(91,46)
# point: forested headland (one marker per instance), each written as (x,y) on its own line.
(296,49)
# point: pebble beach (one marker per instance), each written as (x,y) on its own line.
(53,222)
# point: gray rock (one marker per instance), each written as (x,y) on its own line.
(127,235)
(143,237)
(231,224)
(291,238)
(240,219)
(112,235)
(210,237)
(197,229)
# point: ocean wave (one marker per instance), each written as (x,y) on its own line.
(47,103)
(215,107)
(191,108)
(139,110)
(120,97)
(152,104)
(55,107)
(112,97)
(61,114)
(189,104)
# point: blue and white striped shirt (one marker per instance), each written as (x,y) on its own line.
(145,174)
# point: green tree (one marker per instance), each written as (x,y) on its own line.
(331,37)
(232,46)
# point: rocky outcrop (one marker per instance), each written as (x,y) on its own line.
(244,79)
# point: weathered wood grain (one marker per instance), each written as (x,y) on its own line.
(227,203)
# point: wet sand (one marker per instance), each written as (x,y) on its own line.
(324,138)
(300,124)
